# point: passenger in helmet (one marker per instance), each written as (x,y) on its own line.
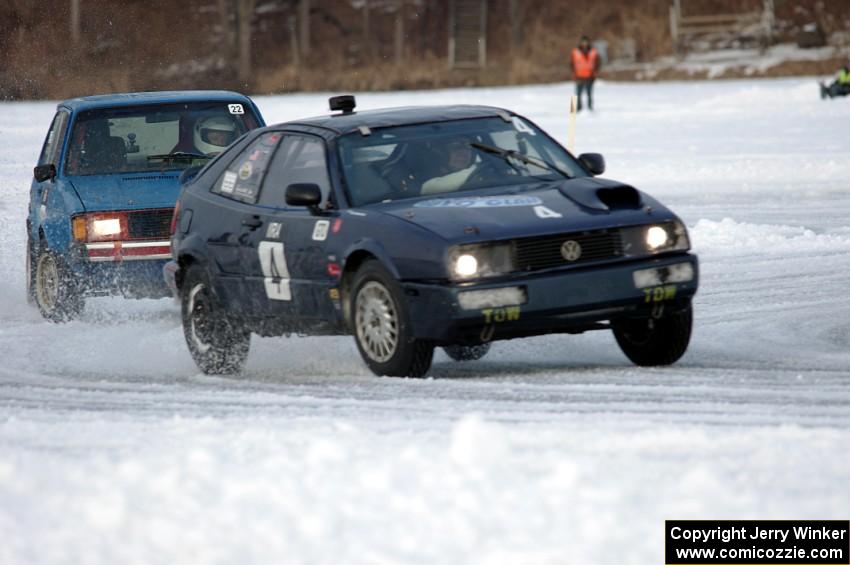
(213,134)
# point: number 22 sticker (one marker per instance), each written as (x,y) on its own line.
(236,108)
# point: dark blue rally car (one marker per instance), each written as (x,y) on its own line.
(103,193)
(412,228)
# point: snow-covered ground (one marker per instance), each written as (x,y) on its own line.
(749,62)
(114,449)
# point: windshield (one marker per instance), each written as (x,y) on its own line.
(409,161)
(153,138)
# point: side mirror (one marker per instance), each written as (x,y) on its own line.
(304,194)
(593,162)
(44,172)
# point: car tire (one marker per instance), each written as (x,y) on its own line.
(30,270)
(54,290)
(652,342)
(467,352)
(217,344)
(382,328)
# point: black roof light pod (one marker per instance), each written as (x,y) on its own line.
(346,103)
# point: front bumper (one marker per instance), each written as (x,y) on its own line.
(564,301)
(131,269)
(117,251)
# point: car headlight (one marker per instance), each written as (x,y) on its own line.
(655,238)
(100,226)
(476,261)
(466,265)
(105,228)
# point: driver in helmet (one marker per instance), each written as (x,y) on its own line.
(213,134)
(458,163)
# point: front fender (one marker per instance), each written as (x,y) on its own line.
(52,215)
(374,248)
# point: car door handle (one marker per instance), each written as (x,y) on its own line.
(252,222)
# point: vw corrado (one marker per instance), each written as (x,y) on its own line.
(413,228)
(103,193)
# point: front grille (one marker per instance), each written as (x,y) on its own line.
(150,224)
(535,253)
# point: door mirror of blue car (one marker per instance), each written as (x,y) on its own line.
(593,162)
(304,194)
(44,172)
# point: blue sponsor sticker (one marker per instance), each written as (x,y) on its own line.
(480,202)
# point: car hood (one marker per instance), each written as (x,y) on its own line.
(127,192)
(529,210)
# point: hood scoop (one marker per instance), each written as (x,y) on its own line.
(620,197)
(602,195)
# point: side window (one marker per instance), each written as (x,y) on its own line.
(300,159)
(50,151)
(241,180)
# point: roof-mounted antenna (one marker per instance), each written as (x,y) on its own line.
(345,103)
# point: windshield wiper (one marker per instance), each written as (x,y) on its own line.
(178,156)
(508,154)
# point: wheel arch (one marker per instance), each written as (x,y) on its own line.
(187,252)
(353,261)
(56,235)
(185,261)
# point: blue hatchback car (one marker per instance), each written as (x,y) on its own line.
(103,193)
(413,228)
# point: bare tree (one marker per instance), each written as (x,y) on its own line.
(225,12)
(368,44)
(293,40)
(517,17)
(237,18)
(399,32)
(245,17)
(304,27)
(75,22)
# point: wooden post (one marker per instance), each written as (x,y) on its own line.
(571,126)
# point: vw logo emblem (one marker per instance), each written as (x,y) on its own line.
(571,250)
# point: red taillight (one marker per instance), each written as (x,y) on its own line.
(174,218)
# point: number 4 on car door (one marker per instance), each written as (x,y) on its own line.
(275,272)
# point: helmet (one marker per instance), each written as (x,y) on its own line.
(213,134)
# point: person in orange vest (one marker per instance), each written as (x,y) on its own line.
(585,64)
